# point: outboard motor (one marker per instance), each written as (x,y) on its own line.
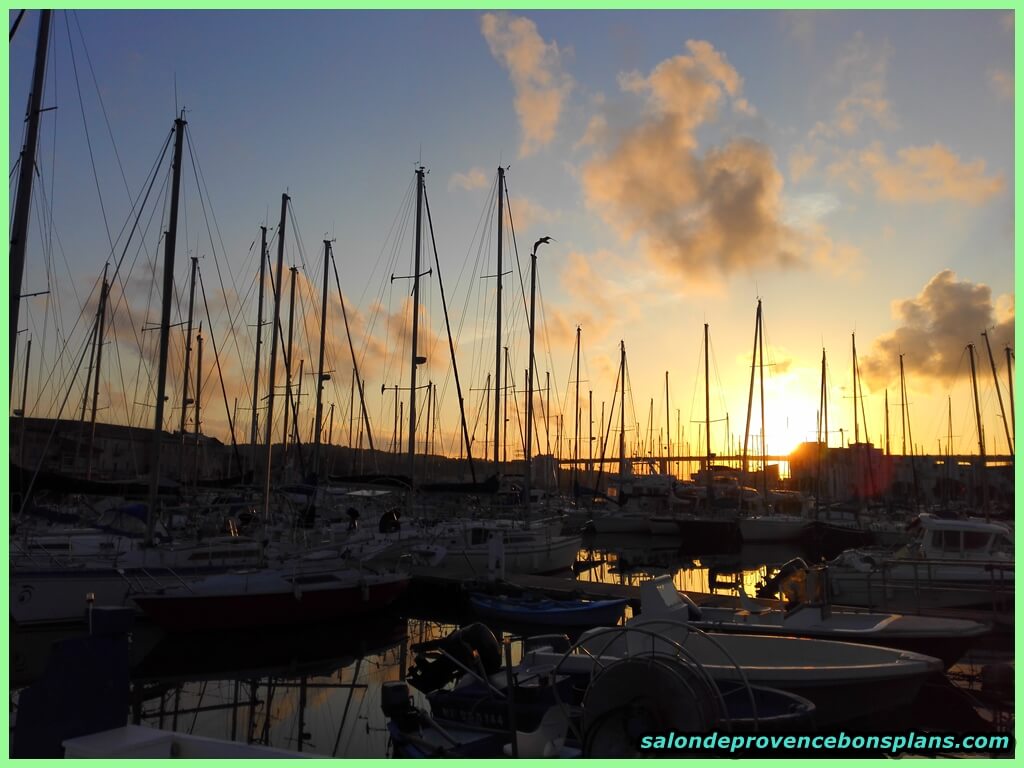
(770,588)
(473,646)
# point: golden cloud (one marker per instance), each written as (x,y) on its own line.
(929,174)
(934,327)
(535,68)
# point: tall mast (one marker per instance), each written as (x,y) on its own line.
(999,394)
(276,279)
(590,435)
(1009,387)
(622,413)
(856,422)
(888,450)
(101,316)
(319,414)
(668,433)
(198,403)
(760,376)
(288,360)
(576,452)
(981,434)
(824,396)
(254,434)
(750,391)
(529,378)
(24,403)
(497,338)
(416,360)
(23,202)
(707,413)
(170,239)
(188,359)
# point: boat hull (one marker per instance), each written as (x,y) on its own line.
(556,613)
(190,612)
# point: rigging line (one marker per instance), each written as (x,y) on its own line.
(99,97)
(88,137)
(515,248)
(17,23)
(220,373)
(451,345)
(355,366)
(232,321)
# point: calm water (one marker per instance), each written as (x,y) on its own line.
(319,689)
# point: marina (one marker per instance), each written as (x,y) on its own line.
(408,490)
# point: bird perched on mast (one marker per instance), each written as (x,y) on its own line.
(544,240)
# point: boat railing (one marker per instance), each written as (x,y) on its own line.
(39,556)
(996,593)
(152,583)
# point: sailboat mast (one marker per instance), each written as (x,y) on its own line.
(1009,387)
(24,403)
(999,394)
(529,383)
(101,317)
(170,239)
(888,450)
(981,434)
(254,434)
(26,171)
(668,431)
(415,332)
(750,391)
(198,403)
(707,413)
(319,413)
(622,413)
(760,376)
(288,360)
(185,368)
(856,422)
(497,339)
(575,467)
(276,279)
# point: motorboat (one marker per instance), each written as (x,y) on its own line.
(476,704)
(811,615)
(949,564)
(544,611)
(849,683)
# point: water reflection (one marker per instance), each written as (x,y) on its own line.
(631,560)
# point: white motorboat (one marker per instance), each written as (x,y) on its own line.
(813,616)
(951,563)
(848,682)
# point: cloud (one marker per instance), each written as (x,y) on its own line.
(929,174)
(934,327)
(535,69)
(703,214)
(801,162)
(527,214)
(1001,82)
(861,73)
(474,178)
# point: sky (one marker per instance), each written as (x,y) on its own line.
(853,170)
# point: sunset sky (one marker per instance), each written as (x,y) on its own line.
(853,169)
